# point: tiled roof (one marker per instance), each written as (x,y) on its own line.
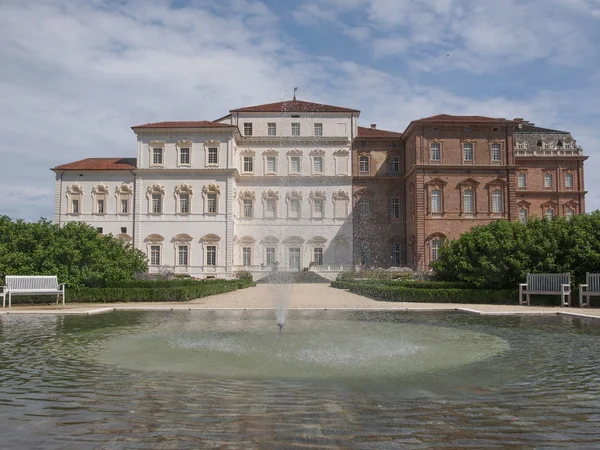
(189,124)
(100,164)
(374,132)
(534,129)
(294,106)
(447,118)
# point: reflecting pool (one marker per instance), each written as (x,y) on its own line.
(333,379)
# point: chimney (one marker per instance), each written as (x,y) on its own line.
(518,119)
(373,126)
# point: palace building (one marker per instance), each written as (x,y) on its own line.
(294,185)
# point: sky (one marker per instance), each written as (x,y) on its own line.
(77,74)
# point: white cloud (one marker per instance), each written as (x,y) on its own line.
(73,84)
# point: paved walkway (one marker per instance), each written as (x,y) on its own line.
(293,296)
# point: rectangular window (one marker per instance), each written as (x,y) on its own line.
(522,180)
(295,208)
(396,255)
(211,255)
(469,201)
(156,203)
(363,164)
(436,201)
(100,206)
(270,208)
(184,156)
(75,206)
(182,255)
(247,208)
(124,206)
(548,180)
(213,156)
(340,209)
(435,249)
(318,164)
(318,129)
(549,213)
(247,256)
(318,208)
(569,180)
(271,129)
(248,164)
(567,145)
(157,156)
(364,207)
(123,230)
(395,208)
(435,151)
(523,215)
(270,256)
(295,164)
(395,164)
(271,164)
(546,145)
(496,152)
(497,201)
(520,146)
(184,203)
(155,255)
(295,129)
(318,256)
(570,213)
(468,151)
(247,129)
(211,203)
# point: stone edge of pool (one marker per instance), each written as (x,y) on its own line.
(78,309)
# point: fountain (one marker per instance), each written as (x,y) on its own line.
(191,379)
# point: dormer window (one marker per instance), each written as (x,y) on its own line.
(520,146)
(546,145)
(567,145)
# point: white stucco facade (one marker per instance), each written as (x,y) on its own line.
(251,191)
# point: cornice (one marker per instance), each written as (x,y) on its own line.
(269,181)
(294,140)
(437,168)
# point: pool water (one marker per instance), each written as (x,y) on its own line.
(333,379)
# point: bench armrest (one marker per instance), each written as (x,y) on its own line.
(62,284)
(522,285)
(4,288)
(583,287)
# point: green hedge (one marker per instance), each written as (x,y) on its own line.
(407,284)
(175,292)
(388,293)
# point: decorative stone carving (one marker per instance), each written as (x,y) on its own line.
(184,188)
(211,189)
(155,189)
(341,195)
(294,194)
(270,194)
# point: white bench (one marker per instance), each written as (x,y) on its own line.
(32,285)
(546,284)
(591,287)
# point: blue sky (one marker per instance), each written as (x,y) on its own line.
(77,74)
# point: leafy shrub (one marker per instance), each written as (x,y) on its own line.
(160,291)
(501,254)
(243,274)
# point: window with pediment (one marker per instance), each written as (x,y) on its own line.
(184,153)
(434,244)
(294,162)
(124,196)
(294,204)
(468,197)
(211,194)
(211,153)
(74,199)
(523,211)
(270,200)
(317,201)
(317,165)
(570,209)
(435,197)
(210,247)
(271,160)
(341,201)
(341,158)
(100,198)
(183,198)
(182,246)
(246,200)
(549,210)
(157,153)
(155,195)
(496,198)
(154,249)
(247,162)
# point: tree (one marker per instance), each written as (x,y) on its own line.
(76,253)
(500,255)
